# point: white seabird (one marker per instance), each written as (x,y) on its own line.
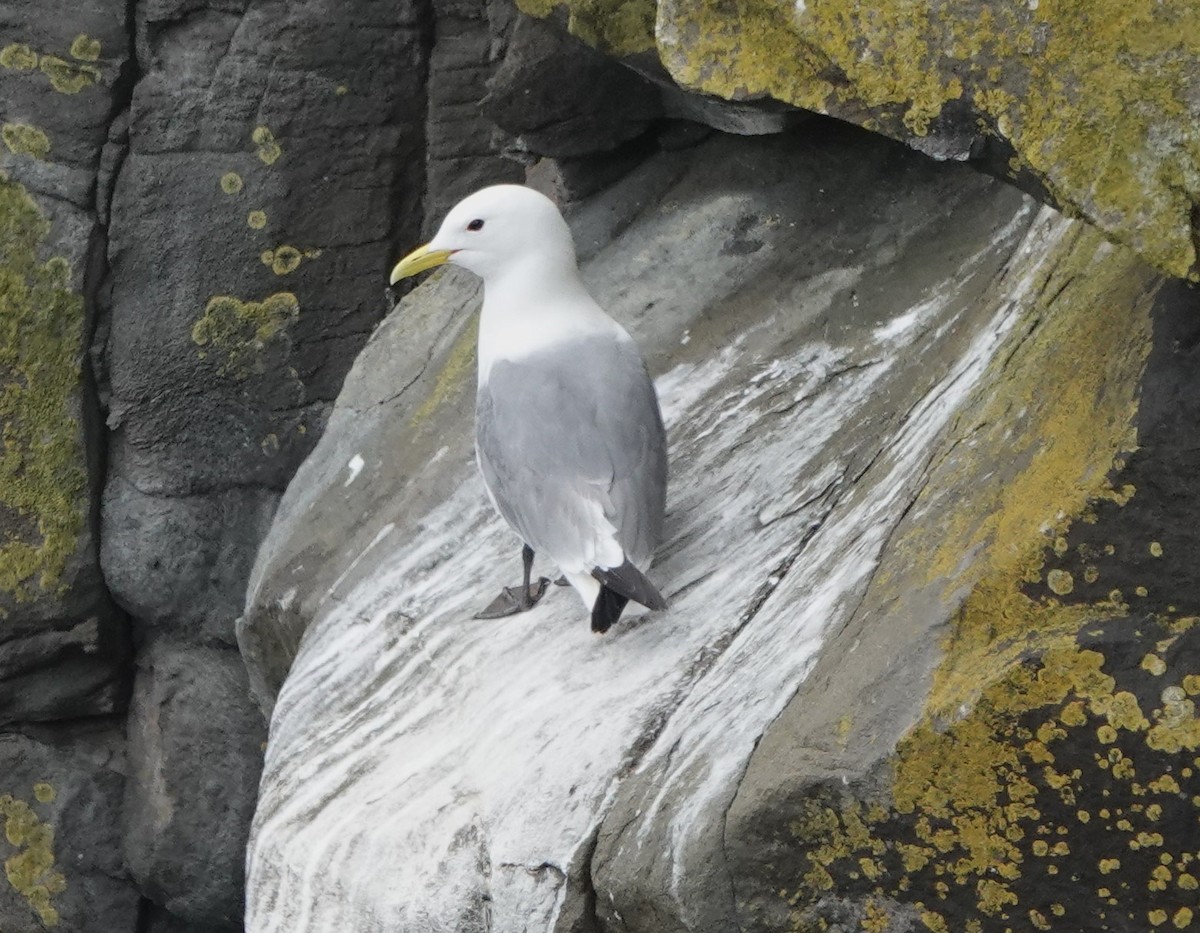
(568,433)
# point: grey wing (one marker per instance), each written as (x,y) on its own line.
(567,436)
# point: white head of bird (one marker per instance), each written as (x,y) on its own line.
(501,231)
(516,240)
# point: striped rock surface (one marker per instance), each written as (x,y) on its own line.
(819,313)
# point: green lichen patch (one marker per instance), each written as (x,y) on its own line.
(619,27)
(1097,99)
(22,139)
(30,870)
(1059,803)
(17,56)
(85,48)
(267,148)
(231,183)
(68,77)
(241,331)
(257,220)
(43,482)
(453,377)
(1037,788)
(283,260)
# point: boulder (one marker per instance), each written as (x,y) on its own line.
(890,388)
(274,158)
(186,819)
(1093,105)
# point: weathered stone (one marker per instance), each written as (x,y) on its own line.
(560,98)
(61,848)
(1028,762)
(1097,101)
(274,160)
(157,920)
(815,343)
(61,640)
(195,754)
(462,144)
(163,552)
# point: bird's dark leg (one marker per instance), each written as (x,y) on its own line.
(512,599)
(527,600)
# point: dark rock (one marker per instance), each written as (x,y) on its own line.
(182,562)
(1085,110)
(156,920)
(462,145)
(274,161)
(560,98)
(61,846)
(62,643)
(195,750)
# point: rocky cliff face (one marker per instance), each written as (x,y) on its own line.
(931,662)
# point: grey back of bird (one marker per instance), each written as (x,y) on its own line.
(560,434)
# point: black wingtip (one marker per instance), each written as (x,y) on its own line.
(630,583)
(607,609)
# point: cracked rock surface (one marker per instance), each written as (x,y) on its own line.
(811,347)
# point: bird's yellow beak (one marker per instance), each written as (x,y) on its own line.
(419,260)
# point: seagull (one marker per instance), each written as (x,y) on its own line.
(568,433)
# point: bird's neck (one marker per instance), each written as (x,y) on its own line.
(533,307)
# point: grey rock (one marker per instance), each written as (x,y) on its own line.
(195,751)
(61,811)
(182,562)
(524,774)
(561,98)
(274,160)
(62,646)
(157,920)
(462,144)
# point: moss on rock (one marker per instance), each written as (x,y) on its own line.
(22,139)
(1097,99)
(43,481)
(240,331)
(30,870)
(1048,780)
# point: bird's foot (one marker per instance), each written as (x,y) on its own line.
(513,600)
(562,581)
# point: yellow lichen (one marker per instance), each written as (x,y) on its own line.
(68,77)
(30,870)
(282,260)
(231,183)
(242,330)
(452,378)
(20,138)
(18,57)
(43,485)
(257,220)
(268,149)
(1060,582)
(1096,98)
(85,48)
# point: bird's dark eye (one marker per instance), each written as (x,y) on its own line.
(475,224)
